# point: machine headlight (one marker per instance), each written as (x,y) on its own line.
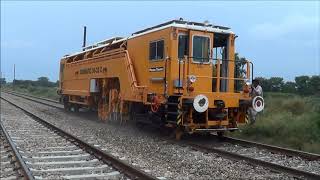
(201,103)
(192,78)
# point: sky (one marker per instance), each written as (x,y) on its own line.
(282,39)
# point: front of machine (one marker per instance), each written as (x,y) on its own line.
(209,90)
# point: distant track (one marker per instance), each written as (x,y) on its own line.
(39,164)
(40,100)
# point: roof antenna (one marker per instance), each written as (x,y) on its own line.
(206,22)
(84,37)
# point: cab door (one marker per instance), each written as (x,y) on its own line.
(200,45)
(156,65)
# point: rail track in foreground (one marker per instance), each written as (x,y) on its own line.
(12,166)
(237,150)
(57,154)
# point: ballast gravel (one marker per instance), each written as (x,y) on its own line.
(46,152)
(146,148)
(312,166)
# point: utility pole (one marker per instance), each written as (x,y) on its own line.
(14,75)
(84,37)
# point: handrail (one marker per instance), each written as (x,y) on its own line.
(215,61)
(132,73)
(248,73)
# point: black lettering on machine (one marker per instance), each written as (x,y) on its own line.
(93,70)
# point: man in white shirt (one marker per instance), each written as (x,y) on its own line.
(256,90)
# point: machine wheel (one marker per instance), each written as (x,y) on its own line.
(220,134)
(66,106)
(75,108)
(179,133)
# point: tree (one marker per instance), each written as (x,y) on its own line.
(276,84)
(314,85)
(302,83)
(43,81)
(289,87)
(264,83)
(3,81)
(240,71)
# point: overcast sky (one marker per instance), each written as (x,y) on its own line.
(281,38)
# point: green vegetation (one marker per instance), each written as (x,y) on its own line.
(289,120)
(41,88)
(303,85)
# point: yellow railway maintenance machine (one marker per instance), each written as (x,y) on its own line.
(178,74)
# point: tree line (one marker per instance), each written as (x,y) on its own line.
(303,85)
(41,81)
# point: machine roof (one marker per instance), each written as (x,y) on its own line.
(173,23)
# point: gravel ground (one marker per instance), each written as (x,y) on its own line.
(294,162)
(45,152)
(147,150)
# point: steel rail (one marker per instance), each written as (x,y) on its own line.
(34,99)
(120,165)
(24,94)
(25,170)
(286,151)
(269,165)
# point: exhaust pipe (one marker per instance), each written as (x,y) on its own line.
(84,37)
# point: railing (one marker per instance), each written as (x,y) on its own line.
(132,75)
(218,64)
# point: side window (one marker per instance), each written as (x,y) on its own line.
(61,67)
(156,50)
(201,48)
(183,46)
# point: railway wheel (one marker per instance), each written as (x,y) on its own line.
(220,134)
(103,109)
(179,133)
(75,108)
(66,106)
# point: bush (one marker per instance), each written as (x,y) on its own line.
(288,120)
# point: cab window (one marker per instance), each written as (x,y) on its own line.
(183,46)
(201,49)
(156,50)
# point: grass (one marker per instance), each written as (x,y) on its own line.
(289,121)
(46,92)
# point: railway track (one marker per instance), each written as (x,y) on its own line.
(297,163)
(11,165)
(48,152)
(44,101)
(298,167)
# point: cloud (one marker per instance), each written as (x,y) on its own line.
(16,44)
(288,25)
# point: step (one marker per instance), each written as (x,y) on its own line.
(173,113)
(172,104)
